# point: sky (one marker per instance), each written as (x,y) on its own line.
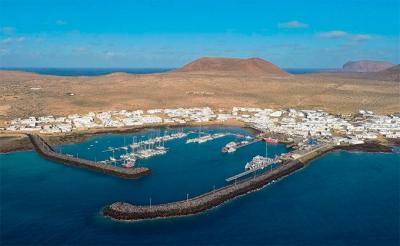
(171,33)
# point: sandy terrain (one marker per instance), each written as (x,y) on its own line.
(28,94)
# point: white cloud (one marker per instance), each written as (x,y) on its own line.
(112,54)
(80,49)
(3,52)
(361,37)
(12,40)
(7,30)
(61,22)
(292,24)
(333,34)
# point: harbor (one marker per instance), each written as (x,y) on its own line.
(127,211)
(175,179)
(260,168)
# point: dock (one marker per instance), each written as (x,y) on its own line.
(242,174)
(245,173)
(302,158)
(241,145)
(45,150)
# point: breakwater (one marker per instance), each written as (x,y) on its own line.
(48,152)
(127,211)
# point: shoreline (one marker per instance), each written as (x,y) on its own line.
(12,142)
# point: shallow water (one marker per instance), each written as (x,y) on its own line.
(341,198)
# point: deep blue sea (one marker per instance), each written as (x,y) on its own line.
(103,71)
(89,71)
(342,198)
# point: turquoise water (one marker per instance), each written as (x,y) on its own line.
(341,198)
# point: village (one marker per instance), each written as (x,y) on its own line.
(337,129)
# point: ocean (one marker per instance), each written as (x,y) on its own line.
(341,198)
(89,71)
(103,71)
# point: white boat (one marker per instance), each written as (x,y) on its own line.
(259,162)
(129,164)
(229,147)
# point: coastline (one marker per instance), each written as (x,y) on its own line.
(11,142)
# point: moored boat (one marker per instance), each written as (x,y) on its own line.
(271,140)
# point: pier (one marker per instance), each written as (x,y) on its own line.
(127,211)
(242,174)
(45,150)
(241,145)
(245,173)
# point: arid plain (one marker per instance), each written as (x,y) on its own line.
(27,94)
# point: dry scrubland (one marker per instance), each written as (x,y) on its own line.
(27,94)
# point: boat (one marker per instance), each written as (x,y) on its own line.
(205,138)
(218,135)
(129,164)
(271,140)
(258,162)
(229,147)
(230,150)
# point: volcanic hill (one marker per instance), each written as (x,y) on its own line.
(251,66)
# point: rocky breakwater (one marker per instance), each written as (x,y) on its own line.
(47,151)
(127,211)
(367,147)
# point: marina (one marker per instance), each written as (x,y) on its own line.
(277,169)
(81,197)
(127,211)
(157,189)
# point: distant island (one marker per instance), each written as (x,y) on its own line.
(365,66)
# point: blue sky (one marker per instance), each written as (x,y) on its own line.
(162,33)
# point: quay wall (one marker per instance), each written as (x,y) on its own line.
(127,211)
(47,151)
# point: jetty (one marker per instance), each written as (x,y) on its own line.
(241,145)
(127,211)
(45,150)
